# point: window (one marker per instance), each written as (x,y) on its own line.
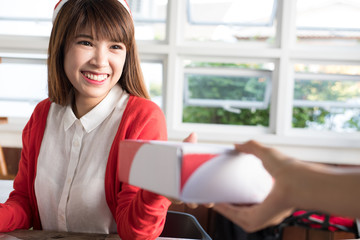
(23,84)
(231,20)
(328,22)
(327,97)
(286,73)
(24,17)
(227,93)
(23,31)
(153,76)
(149,18)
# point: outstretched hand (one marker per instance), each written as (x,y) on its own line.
(275,207)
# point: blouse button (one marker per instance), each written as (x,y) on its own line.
(76,144)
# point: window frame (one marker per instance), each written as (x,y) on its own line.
(309,145)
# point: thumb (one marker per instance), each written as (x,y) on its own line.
(191,138)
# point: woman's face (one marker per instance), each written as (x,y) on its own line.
(93,66)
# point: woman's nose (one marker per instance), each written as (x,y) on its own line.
(100,57)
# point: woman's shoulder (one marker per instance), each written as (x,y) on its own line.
(136,99)
(139,104)
(39,116)
(42,107)
(143,119)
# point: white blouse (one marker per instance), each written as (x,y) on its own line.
(69,183)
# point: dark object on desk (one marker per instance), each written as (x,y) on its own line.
(183,225)
(227,230)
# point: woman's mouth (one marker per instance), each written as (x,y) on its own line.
(95,77)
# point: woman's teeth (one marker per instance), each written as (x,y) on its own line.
(96,77)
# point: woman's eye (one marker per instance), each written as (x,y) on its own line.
(116,47)
(85,43)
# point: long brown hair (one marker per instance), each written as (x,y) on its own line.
(108,19)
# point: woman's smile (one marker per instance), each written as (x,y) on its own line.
(95,78)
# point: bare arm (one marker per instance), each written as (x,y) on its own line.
(297,185)
(335,190)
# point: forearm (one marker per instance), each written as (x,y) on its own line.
(140,214)
(333,190)
(12,217)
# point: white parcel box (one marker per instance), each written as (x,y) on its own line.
(200,173)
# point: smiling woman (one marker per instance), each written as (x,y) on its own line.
(97,97)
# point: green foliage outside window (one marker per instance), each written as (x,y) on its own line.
(226,88)
(320,90)
(222,116)
(303,115)
(253,88)
(353,123)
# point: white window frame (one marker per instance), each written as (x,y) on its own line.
(307,145)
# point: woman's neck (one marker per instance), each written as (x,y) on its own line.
(81,107)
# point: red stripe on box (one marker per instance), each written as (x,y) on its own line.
(190,163)
(127,152)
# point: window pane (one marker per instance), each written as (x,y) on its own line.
(227,93)
(149,18)
(231,20)
(328,22)
(24,17)
(327,97)
(20,92)
(153,74)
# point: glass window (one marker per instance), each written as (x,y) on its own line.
(231,20)
(153,76)
(328,22)
(227,93)
(149,18)
(20,17)
(16,19)
(327,97)
(20,92)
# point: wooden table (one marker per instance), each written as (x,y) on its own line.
(49,235)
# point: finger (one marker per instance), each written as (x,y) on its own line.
(191,138)
(209,205)
(253,147)
(241,216)
(273,160)
(255,217)
(234,214)
(192,205)
(174,200)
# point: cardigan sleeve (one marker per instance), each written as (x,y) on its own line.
(140,214)
(15,212)
(20,210)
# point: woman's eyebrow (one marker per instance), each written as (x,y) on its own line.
(84,36)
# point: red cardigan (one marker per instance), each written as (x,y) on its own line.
(139,214)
